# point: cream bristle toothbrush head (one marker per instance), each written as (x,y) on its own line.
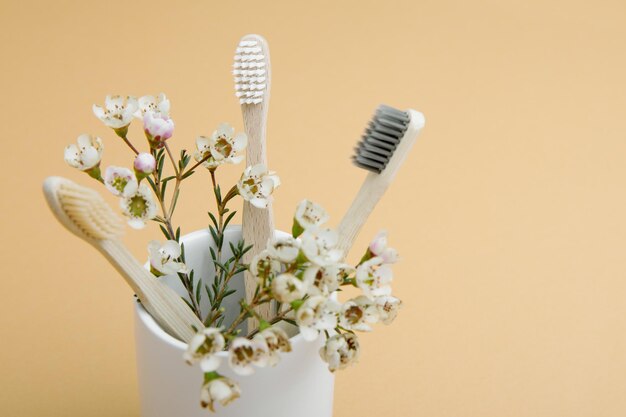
(85,213)
(251,70)
(82,210)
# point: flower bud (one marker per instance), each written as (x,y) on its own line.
(158,128)
(144,165)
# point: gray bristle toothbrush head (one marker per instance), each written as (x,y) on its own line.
(250,71)
(381,138)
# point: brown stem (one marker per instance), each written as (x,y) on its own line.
(130,145)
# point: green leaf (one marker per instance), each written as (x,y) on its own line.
(213,219)
(296,229)
(198,293)
(229,218)
(296,304)
(187,174)
(152,184)
(165,232)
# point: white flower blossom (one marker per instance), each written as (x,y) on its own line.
(374,277)
(285,249)
(85,154)
(263,266)
(222,147)
(158,128)
(318,246)
(163,257)
(117,112)
(309,214)
(287,288)
(222,390)
(150,104)
(244,353)
(340,351)
(388,307)
(276,340)
(257,185)
(324,280)
(139,207)
(378,247)
(144,163)
(203,347)
(120,181)
(358,313)
(316,314)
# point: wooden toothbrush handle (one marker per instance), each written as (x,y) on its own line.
(257,224)
(366,199)
(163,304)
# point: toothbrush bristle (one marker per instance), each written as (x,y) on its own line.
(250,72)
(381,138)
(89,212)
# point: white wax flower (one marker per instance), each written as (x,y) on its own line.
(285,249)
(257,185)
(117,112)
(139,207)
(244,353)
(318,246)
(287,288)
(203,347)
(150,104)
(374,277)
(222,390)
(120,181)
(276,340)
(340,351)
(309,214)
(324,280)
(85,154)
(379,247)
(163,257)
(316,314)
(388,307)
(358,313)
(263,266)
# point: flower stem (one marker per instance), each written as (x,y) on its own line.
(130,145)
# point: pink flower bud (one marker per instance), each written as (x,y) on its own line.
(379,244)
(158,128)
(145,163)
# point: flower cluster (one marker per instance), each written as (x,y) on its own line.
(140,202)
(303,272)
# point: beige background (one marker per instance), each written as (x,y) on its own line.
(509,212)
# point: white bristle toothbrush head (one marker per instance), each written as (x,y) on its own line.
(82,210)
(251,70)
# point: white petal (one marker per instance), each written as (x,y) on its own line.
(171,248)
(210,363)
(309,334)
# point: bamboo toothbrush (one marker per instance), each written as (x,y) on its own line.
(382,150)
(252,88)
(85,213)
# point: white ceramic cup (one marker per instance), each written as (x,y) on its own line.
(299,385)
